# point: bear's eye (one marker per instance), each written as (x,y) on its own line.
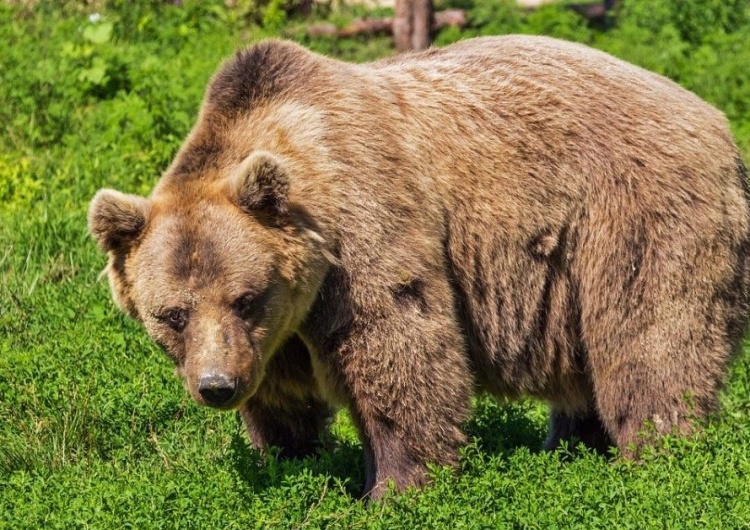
(175,318)
(248,306)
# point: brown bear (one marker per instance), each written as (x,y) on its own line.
(516,215)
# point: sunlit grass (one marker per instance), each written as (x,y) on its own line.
(95,430)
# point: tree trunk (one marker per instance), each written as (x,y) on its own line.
(412,24)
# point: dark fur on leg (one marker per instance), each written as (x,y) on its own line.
(574,429)
(287,411)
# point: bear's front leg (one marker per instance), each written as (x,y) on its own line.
(287,411)
(409,388)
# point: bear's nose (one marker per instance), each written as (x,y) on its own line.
(217,389)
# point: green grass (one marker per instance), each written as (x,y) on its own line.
(97,432)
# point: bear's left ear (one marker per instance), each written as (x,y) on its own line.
(261,184)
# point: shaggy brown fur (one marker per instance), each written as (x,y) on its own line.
(520,215)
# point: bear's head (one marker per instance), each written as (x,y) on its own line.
(219,271)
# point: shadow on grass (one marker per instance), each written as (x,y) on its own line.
(498,428)
(341,460)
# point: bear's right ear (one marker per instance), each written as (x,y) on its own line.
(116,219)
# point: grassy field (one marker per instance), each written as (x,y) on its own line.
(96,431)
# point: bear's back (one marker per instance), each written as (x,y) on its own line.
(535,113)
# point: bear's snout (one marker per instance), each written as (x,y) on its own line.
(217,389)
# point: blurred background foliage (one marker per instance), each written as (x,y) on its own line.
(124,79)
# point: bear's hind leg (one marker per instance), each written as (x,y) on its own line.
(659,379)
(638,405)
(287,411)
(585,428)
(661,301)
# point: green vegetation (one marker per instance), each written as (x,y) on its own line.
(95,431)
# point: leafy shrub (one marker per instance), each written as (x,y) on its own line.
(498,17)
(694,20)
(562,23)
(18,187)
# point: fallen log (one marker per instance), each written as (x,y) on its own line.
(384,26)
(596,13)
